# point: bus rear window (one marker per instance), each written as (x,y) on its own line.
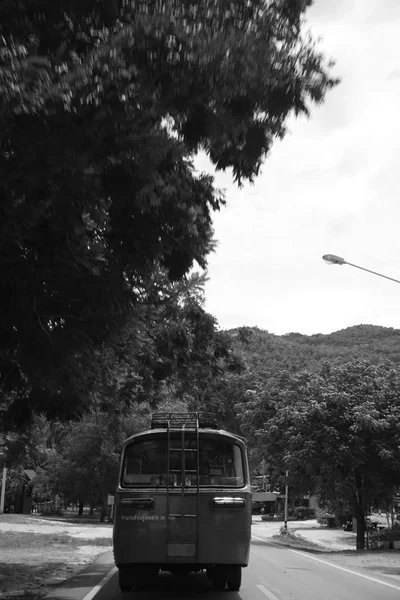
(145,462)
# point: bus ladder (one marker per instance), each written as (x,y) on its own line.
(182,424)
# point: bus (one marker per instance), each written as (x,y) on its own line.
(183,502)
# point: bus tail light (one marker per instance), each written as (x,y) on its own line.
(227,502)
(137,503)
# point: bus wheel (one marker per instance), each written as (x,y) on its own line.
(126,579)
(234,578)
(209,573)
(219,583)
(219,579)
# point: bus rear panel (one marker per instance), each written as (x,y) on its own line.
(183,502)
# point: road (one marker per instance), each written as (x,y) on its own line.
(274,573)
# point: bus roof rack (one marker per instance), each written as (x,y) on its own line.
(161,420)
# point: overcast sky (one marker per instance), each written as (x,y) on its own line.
(331,186)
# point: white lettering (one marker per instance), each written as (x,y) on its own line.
(141,517)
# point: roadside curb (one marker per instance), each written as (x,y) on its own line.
(316,549)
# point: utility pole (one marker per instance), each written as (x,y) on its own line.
(263,474)
(286,498)
(3,490)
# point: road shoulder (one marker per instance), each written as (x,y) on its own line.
(80,585)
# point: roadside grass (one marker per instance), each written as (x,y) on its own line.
(18,519)
(86,522)
(31,562)
(70,516)
(67,518)
(295,540)
(41,541)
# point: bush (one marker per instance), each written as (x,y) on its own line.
(288,533)
(389,534)
(302,512)
(51,512)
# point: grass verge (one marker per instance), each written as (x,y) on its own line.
(30,563)
(295,540)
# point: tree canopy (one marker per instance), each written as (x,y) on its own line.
(103,105)
(335,430)
(296,352)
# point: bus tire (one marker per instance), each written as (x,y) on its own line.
(219,583)
(209,573)
(234,578)
(126,579)
(219,579)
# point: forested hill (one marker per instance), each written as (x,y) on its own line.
(294,351)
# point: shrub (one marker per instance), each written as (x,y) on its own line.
(388,534)
(302,512)
(51,512)
(287,532)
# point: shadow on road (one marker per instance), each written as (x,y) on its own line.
(196,585)
(164,585)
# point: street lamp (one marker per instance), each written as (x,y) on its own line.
(332,259)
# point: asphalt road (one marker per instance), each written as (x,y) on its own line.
(274,573)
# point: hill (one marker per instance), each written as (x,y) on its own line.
(262,350)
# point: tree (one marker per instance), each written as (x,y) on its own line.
(84,468)
(82,463)
(102,107)
(336,429)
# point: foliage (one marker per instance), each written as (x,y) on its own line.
(27,449)
(335,431)
(264,355)
(168,342)
(82,461)
(85,466)
(263,351)
(285,531)
(14,485)
(103,104)
(302,512)
(388,534)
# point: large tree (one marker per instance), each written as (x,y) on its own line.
(103,104)
(337,429)
(84,468)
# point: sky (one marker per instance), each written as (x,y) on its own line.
(331,186)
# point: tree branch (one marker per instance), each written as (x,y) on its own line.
(40,322)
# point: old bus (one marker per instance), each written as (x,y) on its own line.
(183,502)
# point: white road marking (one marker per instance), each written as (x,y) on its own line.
(269,594)
(102,583)
(325,562)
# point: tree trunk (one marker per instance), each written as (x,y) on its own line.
(359,513)
(103,514)
(104,510)
(81,503)
(360,543)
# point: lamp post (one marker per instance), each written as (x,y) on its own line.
(332,259)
